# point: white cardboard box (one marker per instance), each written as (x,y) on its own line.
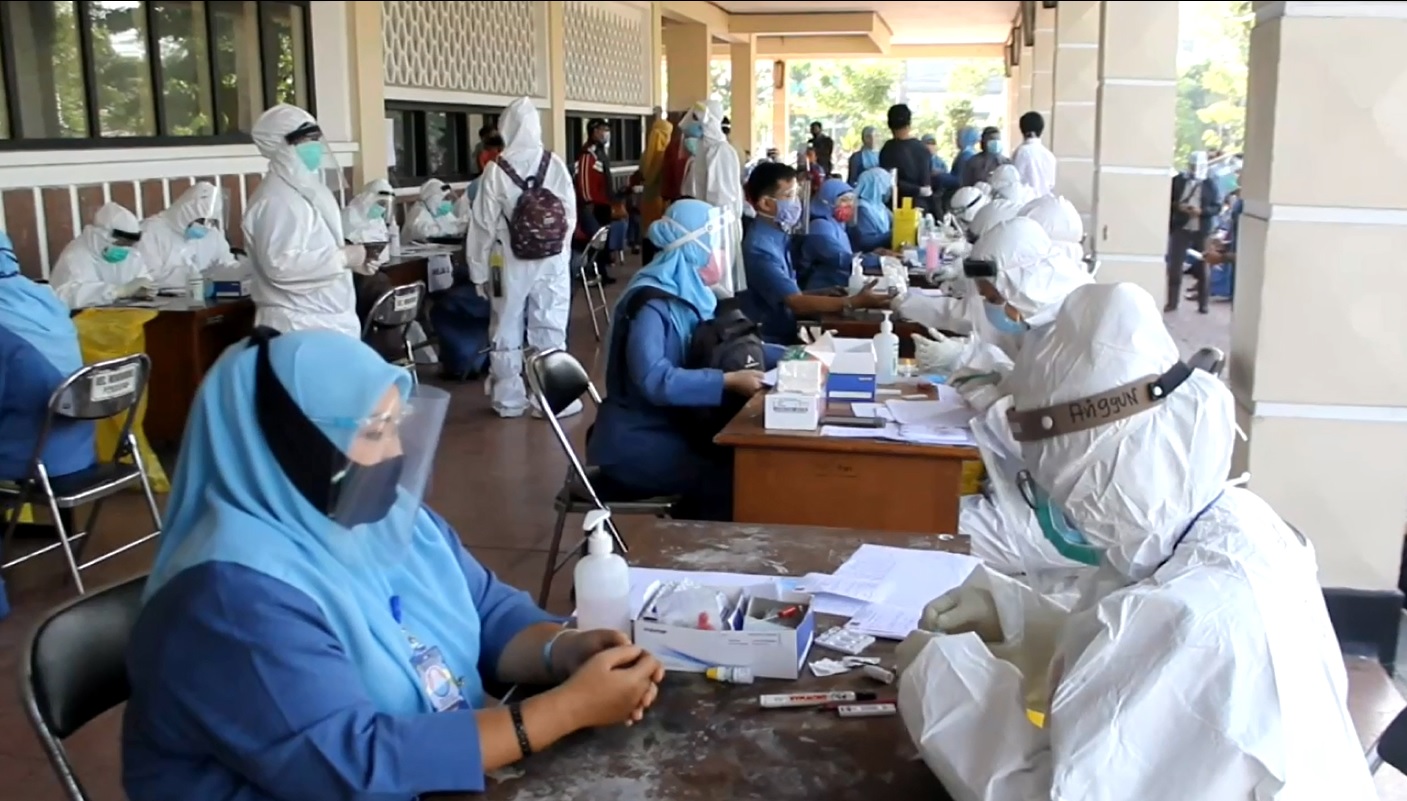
(792,411)
(773,652)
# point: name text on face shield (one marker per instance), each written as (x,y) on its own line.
(1103,407)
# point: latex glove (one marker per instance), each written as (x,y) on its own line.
(911,647)
(482,290)
(925,191)
(137,288)
(355,256)
(937,353)
(960,248)
(962,610)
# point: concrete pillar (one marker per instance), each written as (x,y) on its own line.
(781,115)
(1043,65)
(686,46)
(1070,128)
(744,58)
(657,55)
(554,117)
(1013,105)
(368,81)
(1318,336)
(1028,76)
(1133,146)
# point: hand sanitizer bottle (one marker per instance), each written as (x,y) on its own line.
(857,274)
(602,580)
(886,352)
(394,247)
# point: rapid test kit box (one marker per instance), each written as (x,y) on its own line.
(851,366)
(763,628)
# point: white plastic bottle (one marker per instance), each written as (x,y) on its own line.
(886,352)
(394,243)
(857,275)
(602,580)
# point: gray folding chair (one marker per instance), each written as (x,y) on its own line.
(96,392)
(74,669)
(395,311)
(556,379)
(590,279)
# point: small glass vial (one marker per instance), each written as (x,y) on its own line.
(730,675)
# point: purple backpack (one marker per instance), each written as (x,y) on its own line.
(538,227)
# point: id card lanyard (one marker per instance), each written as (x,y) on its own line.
(436,680)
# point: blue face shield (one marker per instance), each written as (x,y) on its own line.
(998,318)
(1056,527)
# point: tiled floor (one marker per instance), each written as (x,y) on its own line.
(494,481)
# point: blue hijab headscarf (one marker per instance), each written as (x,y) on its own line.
(231,502)
(869,157)
(872,197)
(967,147)
(823,221)
(675,269)
(34,313)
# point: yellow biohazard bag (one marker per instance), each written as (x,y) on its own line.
(111,334)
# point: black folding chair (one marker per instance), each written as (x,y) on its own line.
(590,278)
(1391,747)
(395,311)
(556,379)
(75,669)
(96,392)
(1210,359)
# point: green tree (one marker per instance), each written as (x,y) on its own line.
(844,96)
(1211,91)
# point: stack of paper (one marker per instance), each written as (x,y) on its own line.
(907,579)
(838,595)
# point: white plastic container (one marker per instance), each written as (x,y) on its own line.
(602,580)
(394,246)
(857,275)
(886,352)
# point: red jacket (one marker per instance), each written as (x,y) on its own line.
(593,181)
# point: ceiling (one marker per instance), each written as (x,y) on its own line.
(912,22)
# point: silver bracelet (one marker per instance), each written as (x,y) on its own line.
(547,651)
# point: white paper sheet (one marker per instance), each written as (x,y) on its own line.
(948,411)
(909,578)
(885,622)
(854,588)
(769,378)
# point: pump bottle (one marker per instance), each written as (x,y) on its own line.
(602,580)
(886,352)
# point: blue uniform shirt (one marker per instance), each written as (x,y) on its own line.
(239,684)
(771,279)
(27,379)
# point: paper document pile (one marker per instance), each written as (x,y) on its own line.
(883,590)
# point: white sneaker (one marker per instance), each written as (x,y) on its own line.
(574,407)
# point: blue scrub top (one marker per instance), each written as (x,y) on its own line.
(27,379)
(771,279)
(239,683)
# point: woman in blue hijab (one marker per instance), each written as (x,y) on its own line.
(826,252)
(874,221)
(967,148)
(866,158)
(38,351)
(310,630)
(641,442)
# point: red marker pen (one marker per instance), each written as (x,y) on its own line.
(796,700)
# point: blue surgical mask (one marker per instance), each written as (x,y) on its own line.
(692,145)
(444,208)
(997,317)
(310,153)
(115,254)
(788,213)
(376,212)
(196,231)
(993,146)
(1056,527)
(692,130)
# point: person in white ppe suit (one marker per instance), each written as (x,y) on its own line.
(1061,221)
(1007,185)
(103,265)
(293,230)
(536,293)
(965,203)
(994,212)
(364,218)
(185,241)
(714,175)
(1199,661)
(432,214)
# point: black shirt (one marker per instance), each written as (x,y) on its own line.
(913,166)
(825,151)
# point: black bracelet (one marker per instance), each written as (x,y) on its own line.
(516,712)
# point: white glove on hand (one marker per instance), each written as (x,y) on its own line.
(482,290)
(962,610)
(939,354)
(355,256)
(960,248)
(137,288)
(925,191)
(911,647)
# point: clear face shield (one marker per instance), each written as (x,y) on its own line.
(718,239)
(205,214)
(805,194)
(317,157)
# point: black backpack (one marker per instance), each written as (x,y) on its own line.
(728,342)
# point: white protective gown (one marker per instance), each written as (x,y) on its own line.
(361,226)
(1061,221)
(81,278)
(174,259)
(293,231)
(537,295)
(1007,185)
(713,175)
(424,219)
(1199,662)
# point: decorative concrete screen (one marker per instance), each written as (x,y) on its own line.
(609,55)
(490,48)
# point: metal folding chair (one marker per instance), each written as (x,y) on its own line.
(396,310)
(590,279)
(75,669)
(96,392)
(556,379)
(1210,359)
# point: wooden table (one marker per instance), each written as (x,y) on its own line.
(184,340)
(413,266)
(864,324)
(704,741)
(803,478)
